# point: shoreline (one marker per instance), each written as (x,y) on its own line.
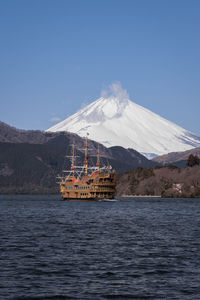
(139,196)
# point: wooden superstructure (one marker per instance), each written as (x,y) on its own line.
(88,183)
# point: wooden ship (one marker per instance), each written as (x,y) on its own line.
(87,183)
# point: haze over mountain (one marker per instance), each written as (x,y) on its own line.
(114,120)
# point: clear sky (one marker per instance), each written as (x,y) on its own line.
(57,55)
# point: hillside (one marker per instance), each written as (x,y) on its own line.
(161,181)
(10,134)
(176,158)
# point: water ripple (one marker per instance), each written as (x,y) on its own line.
(135,249)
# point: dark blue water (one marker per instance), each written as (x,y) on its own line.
(130,249)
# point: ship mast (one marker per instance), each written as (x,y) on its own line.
(72,166)
(98,159)
(86,158)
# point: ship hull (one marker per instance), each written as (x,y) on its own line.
(87,199)
(98,186)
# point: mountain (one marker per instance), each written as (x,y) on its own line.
(30,160)
(177,158)
(115,154)
(117,121)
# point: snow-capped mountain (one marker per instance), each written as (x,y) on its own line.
(117,121)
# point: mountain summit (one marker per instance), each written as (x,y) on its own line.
(117,121)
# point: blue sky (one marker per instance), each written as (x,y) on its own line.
(56,56)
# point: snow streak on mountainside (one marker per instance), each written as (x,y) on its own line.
(114,120)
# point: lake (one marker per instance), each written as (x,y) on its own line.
(132,248)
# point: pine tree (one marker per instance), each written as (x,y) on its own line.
(193,160)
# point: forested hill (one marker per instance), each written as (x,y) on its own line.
(161,181)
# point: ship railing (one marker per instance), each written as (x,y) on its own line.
(89,168)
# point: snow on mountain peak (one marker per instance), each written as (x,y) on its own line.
(114,120)
(111,104)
